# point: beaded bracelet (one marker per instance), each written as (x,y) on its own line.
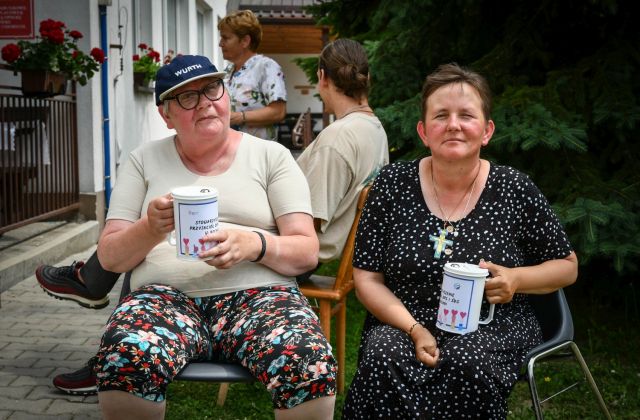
(264,246)
(412,327)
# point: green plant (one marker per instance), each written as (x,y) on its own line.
(566,108)
(149,62)
(55,50)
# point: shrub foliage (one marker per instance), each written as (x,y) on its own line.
(566,90)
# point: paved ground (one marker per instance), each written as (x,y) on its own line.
(41,337)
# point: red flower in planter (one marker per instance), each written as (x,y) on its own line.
(55,50)
(10,53)
(57,37)
(154,55)
(49,25)
(148,62)
(97,55)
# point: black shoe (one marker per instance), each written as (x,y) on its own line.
(63,283)
(81,382)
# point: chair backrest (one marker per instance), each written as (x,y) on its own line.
(302,133)
(554,316)
(344,276)
(126,285)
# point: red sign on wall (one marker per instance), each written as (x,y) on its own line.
(16,19)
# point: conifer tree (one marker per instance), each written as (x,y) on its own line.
(566,85)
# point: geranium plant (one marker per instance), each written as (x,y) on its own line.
(55,50)
(148,62)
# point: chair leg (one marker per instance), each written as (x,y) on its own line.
(325,317)
(341,332)
(535,398)
(222,393)
(592,383)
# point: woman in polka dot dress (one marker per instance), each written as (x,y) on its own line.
(450,207)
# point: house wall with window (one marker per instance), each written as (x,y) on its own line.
(185,26)
(81,15)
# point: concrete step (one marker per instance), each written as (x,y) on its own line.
(25,248)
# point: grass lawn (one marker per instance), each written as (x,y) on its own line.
(606,333)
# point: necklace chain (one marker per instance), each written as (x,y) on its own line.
(440,241)
(447,220)
(357,108)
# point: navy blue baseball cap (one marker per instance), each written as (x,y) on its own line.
(182,70)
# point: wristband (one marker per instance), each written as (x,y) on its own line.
(412,327)
(264,246)
(244,120)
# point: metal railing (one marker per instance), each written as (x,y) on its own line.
(38,158)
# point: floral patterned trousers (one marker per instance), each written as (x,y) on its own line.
(156,330)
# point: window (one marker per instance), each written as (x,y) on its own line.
(200,25)
(171,24)
(176,25)
(141,23)
(205,28)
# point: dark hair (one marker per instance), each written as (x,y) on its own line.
(242,23)
(447,74)
(345,62)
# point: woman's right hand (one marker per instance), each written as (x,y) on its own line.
(160,215)
(124,244)
(427,350)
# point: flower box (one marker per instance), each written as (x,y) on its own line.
(43,84)
(141,84)
(51,59)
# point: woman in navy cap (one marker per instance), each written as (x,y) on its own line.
(242,305)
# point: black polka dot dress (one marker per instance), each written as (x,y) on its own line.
(511,225)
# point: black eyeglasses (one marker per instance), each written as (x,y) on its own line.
(190,99)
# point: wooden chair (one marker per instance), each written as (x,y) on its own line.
(302,133)
(330,293)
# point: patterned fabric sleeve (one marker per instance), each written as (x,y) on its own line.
(371,237)
(272,85)
(541,235)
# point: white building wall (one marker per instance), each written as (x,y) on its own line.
(298,98)
(135,118)
(133,115)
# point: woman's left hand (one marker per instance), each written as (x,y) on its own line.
(502,284)
(233,246)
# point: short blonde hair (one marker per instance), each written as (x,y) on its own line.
(242,23)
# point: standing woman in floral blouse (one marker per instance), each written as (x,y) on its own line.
(255,82)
